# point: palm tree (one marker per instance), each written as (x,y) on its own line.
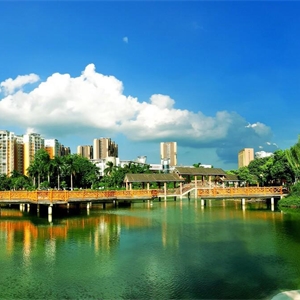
(293,157)
(57,164)
(71,166)
(109,169)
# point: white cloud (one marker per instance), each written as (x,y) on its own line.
(125,39)
(262,154)
(9,86)
(65,105)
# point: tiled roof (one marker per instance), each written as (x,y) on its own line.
(171,177)
(231,177)
(200,171)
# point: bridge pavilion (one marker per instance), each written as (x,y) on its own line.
(207,175)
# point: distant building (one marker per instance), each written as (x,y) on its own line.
(19,154)
(32,143)
(85,151)
(168,151)
(103,148)
(64,150)
(52,146)
(7,151)
(245,156)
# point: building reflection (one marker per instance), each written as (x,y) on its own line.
(102,232)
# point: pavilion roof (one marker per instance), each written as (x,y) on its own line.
(200,171)
(170,177)
(231,177)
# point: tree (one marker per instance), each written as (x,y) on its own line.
(293,157)
(260,167)
(197,165)
(244,175)
(40,165)
(280,169)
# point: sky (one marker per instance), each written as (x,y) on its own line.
(214,76)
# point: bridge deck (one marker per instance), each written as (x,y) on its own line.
(61,197)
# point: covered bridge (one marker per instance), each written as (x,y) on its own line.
(146,179)
(207,175)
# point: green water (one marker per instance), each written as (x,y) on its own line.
(173,250)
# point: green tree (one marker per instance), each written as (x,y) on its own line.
(280,169)
(245,176)
(293,157)
(39,166)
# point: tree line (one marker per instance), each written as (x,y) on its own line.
(76,172)
(281,168)
(68,172)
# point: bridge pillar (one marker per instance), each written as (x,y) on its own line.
(196,189)
(272,201)
(202,202)
(28,207)
(88,206)
(180,185)
(50,209)
(243,201)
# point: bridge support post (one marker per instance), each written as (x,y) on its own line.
(50,209)
(272,204)
(243,201)
(196,188)
(28,207)
(202,202)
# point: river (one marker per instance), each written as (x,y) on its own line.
(159,250)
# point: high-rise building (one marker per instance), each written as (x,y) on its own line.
(64,150)
(52,146)
(7,151)
(85,151)
(32,143)
(168,151)
(103,148)
(245,156)
(19,154)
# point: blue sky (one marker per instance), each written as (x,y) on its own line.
(214,76)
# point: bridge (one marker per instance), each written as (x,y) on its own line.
(55,197)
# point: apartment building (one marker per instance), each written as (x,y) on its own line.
(19,153)
(64,150)
(168,153)
(103,148)
(7,151)
(245,156)
(85,151)
(32,143)
(52,146)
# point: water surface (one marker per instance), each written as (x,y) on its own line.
(159,250)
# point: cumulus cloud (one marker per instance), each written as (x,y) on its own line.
(262,154)
(125,39)
(9,86)
(93,102)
